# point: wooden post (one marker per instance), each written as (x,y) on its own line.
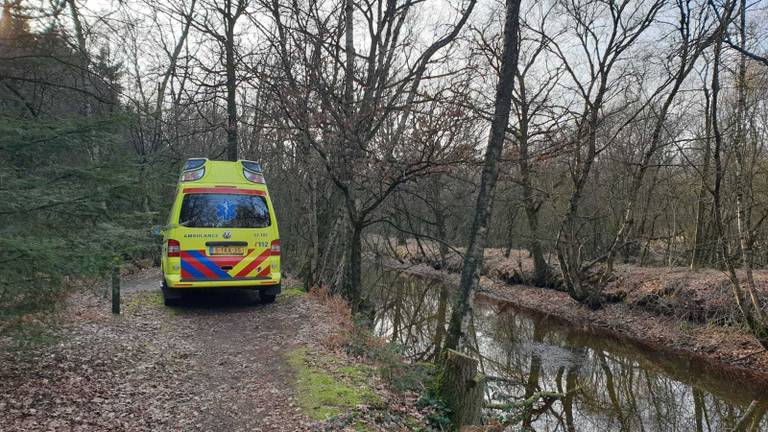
(116,288)
(461,387)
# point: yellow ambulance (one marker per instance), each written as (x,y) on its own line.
(221,232)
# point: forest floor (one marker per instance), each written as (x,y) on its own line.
(671,310)
(217,362)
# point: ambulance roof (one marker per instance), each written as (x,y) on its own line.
(222,173)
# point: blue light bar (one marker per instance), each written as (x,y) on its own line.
(252,166)
(193,164)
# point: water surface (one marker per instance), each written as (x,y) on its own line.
(610,385)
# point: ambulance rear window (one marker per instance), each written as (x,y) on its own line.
(224,211)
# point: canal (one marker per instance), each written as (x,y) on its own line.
(609,384)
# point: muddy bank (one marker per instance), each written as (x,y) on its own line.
(702,296)
(725,351)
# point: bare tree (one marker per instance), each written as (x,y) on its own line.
(533,123)
(622,22)
(745,294)
(353,100)
(693,38)
(219,21)
(473,258)
(700,250)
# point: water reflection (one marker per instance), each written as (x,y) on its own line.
(609,386)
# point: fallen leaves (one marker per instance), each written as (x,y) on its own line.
(216,363)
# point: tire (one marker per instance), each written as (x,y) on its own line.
(267,298)
(171,297)
(170,302)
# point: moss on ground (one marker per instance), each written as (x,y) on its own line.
(291,292)
(142,300)
(326,387)
(360,426)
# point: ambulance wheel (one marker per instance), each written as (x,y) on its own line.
(171,297)
(267,294)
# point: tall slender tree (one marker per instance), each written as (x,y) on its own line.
(473,258)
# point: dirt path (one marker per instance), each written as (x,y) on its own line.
(215,363)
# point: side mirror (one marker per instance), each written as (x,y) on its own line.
(157,230)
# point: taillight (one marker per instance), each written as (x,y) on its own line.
(193,175)
(275,247)
(173,249)
(253,177)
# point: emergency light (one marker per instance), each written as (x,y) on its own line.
(193,164)
(194,169)
(193,175)
(252,172)
(252,166)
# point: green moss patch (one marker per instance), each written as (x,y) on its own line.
(291,292)
(142,300)
(327,386)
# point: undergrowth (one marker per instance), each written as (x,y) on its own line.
(326,388)
(357,340)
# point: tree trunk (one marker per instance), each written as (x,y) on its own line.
(698,409)
(462,388)
(442,236)
(229,47)
(353,276)
(744,184)
(699,242)
(442,307)
(314,232)
(440,223)
(79,32)
(569,248)
(534,375)
(746,308)
(509,241)
(397,319)
(571,386)
(541,270)
(172,60)
(473,260)
(349,53)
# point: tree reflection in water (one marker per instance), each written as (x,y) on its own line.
(608,385)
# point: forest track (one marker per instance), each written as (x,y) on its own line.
(217,362)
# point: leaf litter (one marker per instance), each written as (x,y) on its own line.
(218,362)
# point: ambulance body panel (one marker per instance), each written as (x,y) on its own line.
(222,230)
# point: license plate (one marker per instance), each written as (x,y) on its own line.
(226,250)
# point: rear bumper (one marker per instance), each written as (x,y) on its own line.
(261,283)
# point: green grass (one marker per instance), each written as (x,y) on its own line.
(325,387)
